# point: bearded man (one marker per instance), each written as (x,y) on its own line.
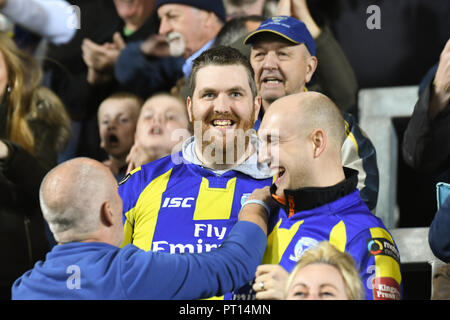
(190,200)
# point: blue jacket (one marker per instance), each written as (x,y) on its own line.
(143,75)
(93,270)
(439,234)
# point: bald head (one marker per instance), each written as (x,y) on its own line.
(302,137)
(73,194)
(307,111)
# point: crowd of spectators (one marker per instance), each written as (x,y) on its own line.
(161,96)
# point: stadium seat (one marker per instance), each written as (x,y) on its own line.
(377,107)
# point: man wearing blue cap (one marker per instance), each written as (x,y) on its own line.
(283,58)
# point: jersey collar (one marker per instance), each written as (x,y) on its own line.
(312,197)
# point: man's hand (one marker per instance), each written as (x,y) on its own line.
(155,46)
(299,9)
(137,157)
(270,282)
(3,150)
(440,94)
(100,59)
(256,213)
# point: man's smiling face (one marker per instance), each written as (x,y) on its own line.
(281,67)
(224,105)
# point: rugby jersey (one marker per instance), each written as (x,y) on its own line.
(346,223)
(177,206)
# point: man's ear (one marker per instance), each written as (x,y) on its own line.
(311,66)
(189,108)
(257,106)
(319,141)
(106,214)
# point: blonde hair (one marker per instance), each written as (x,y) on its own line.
(24,76)
(326,253)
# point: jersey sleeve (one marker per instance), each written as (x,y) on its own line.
(359,153)
(378,258)
(129,191)
(156,275)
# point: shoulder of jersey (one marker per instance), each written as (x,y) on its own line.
(125,179)
(156,167)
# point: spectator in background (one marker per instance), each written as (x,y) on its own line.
(234,29)
(54,20)
(242,8)
(79,200)
(117,118)
(284,61)
(100,58)
(324,273)
(334,76)
(31,115)
(426,148)
(162,126)
(81,71)
(318,197)
(187,29)
(34,126)
(426,143)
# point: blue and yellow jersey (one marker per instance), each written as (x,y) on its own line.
(182,207)
(349,226)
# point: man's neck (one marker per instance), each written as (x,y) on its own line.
(212,162)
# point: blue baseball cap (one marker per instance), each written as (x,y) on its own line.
(287,27)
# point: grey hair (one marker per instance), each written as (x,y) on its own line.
(71,209)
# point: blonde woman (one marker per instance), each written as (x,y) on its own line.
(34,126)
(324,273)
(31,116)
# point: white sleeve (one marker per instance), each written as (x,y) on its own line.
(55,20)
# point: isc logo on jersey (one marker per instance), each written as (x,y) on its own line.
(178,202)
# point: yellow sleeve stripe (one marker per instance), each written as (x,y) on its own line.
(385,266)
(146,211)
(338,236)
(135,170)
(127,230)
(351,136)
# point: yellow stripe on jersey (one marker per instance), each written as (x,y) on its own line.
(278,241)
(148,205)
(135,170)
(214,203)
(385,266)
(128,229)
(338,236)
(351,136)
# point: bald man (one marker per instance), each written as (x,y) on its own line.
(318,198)
(283,57)
(79,200)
